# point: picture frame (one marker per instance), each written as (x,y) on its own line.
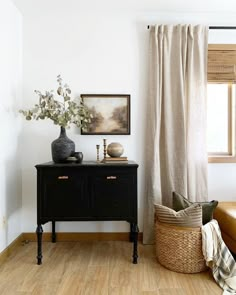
(111,114)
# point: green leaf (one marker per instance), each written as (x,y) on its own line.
(59,91)
(35,110)
(66,98)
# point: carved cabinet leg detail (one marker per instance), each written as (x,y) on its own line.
(39,232)
(135,251)
(131,234)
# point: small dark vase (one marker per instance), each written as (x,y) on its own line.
(62,147)
(79,156)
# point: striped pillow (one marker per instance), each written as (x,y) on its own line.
(189,217)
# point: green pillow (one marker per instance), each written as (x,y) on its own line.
(180,203)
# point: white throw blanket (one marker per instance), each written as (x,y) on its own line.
(218,257)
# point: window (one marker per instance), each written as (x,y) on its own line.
(221,103)
(220,122)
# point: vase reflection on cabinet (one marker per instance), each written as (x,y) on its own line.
(62,147)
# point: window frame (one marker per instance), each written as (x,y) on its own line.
(230,156)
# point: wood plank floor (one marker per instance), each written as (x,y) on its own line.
(96,268)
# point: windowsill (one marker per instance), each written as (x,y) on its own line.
(222,159)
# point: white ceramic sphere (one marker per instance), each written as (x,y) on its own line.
(115,149)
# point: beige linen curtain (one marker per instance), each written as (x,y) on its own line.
(176,137)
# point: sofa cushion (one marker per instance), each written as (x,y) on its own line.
(180,203)
(189,217)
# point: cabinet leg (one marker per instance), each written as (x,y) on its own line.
(132,232)
(39,232)
(135,241)
(53,232)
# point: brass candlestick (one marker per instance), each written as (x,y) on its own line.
(104,148)
(97,146)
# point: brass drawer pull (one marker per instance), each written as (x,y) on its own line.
(63,177)
(111,177)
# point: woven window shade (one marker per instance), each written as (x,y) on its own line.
(221,63)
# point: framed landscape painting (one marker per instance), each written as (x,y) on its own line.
(111,114)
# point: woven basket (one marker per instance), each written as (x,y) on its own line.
(179,248)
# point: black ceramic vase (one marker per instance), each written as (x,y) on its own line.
(62,147)
(79,156)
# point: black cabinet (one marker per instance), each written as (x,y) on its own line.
(86,192)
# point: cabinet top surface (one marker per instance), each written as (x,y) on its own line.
(87,164)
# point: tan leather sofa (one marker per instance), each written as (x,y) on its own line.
(225,214)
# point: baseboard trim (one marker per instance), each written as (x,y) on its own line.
(66,237)
(10,248)
(75,237)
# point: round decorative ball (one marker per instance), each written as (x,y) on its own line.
(115,149)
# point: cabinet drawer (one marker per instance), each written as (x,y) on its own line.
(112,195)
(64,194)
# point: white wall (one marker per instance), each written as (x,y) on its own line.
(10,95)
(95,54)
(102,52)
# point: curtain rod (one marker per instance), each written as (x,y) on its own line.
(213,28)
